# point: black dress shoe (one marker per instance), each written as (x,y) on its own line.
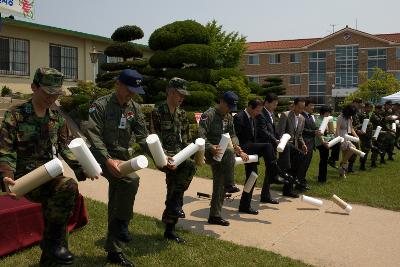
(269,200)
(171,235)
(249,211)
(118,258)
(232,189)
(218,221)
(290,194)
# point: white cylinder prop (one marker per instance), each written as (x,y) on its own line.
(252,158)
(357,152)
(324,123)
(311,200)
(132,165)
(37,177)
(335,141)
(223,144)
(351,138)
(250,182)
(377,131)
(364,125)
(199,156)
(283,141)
(82,153)
(185,153)
(156,150)
(394,126)
(342,204)
(397,122)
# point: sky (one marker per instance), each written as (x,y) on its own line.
(258,20)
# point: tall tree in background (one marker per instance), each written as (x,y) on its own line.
(273,85)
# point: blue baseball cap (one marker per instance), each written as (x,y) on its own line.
(231,99)
(133,80)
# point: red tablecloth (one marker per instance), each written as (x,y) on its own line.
(21,223)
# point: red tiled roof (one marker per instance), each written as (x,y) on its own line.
(393,37)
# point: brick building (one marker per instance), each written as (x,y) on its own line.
(324,69)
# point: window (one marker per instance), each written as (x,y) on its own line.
(253,60)
(253,79)
(274,59)
(346,67)
(14,56)
(376,59)
(397,75)
(295,58)
(64,59)
(398,53)
(317,76)
(295,79)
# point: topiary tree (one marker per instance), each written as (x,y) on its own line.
(273,85)
(237,85)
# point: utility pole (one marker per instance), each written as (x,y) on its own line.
(356,24)
(333,27)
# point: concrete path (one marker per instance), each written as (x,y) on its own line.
(322,237)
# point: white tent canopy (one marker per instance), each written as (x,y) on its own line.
(394,98)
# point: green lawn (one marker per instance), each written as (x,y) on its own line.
(150,249)
(378,187)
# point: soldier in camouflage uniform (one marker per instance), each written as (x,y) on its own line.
(391,134)
(365,138)
(115,123)
(32,134)
(170,123)
(396,112)
(213,123)
(377,119)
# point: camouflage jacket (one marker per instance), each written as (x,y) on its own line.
(27,141)
(213,123)
(172,129)
(360,120)
(108,139)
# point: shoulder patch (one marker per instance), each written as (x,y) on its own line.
(130,115)
(92,108)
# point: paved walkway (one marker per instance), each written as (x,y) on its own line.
(322,237)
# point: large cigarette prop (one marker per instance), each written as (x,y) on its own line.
(252,159)
(37,177)
(311,200)
(341,203)
(364,125)
(156,150)
(223,144)
(283,141)
(250,182)
(357,152)
(394,126)
(351,138)
(82,153)
(185,153)
(377,131)
(335,141)
(132,165)
(324,123)
(199,156)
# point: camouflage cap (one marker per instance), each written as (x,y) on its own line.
(178,84)
(50,80)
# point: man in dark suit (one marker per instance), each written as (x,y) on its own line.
(246,131)
(292,123)
(310,131)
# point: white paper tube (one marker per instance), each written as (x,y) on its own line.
(311,200)
(250,182)
(394,117)
(342,204)
(199,156)
(394,126)
(377,131)
(364,125)
(397,122)
(357,152)
(185,153)
(82,153)
(132,165)
(37,177)
(156,150)
(223,144)
(283,141)
(324,123)
(351,138)
(335,141)
(252,158)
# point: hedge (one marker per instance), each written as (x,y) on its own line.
(127,33)
(135,64)
(198,100)
(189,74)
(124,50)
(224,73)
(178,33)
(197,86)
(104,77)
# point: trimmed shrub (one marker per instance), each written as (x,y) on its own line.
(225,73)
(6,91)
(189,74)
(237,85)
(255,88)
(198,100)
(127,33)
(106,76)
(197,86)
(124,50)
(106,84)
(191,117)
(178,33)
(136,64)
(194,131)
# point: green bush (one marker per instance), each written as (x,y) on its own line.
(106,76)
(197,86)
(255,88)
(194,131)
(127,33)
(198,100)
(124,50)
(191,117)
(189,74)
(199,54)
(178,33)
(6,91)
(225,73)
(106,84)
(135,64)
(67,103)
(237,85)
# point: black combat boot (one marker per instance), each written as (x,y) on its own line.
(54,247)
(170,234)
(118,258)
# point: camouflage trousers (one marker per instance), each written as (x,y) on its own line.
(58,198)
(178,181)
(386,142)
(365,146)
